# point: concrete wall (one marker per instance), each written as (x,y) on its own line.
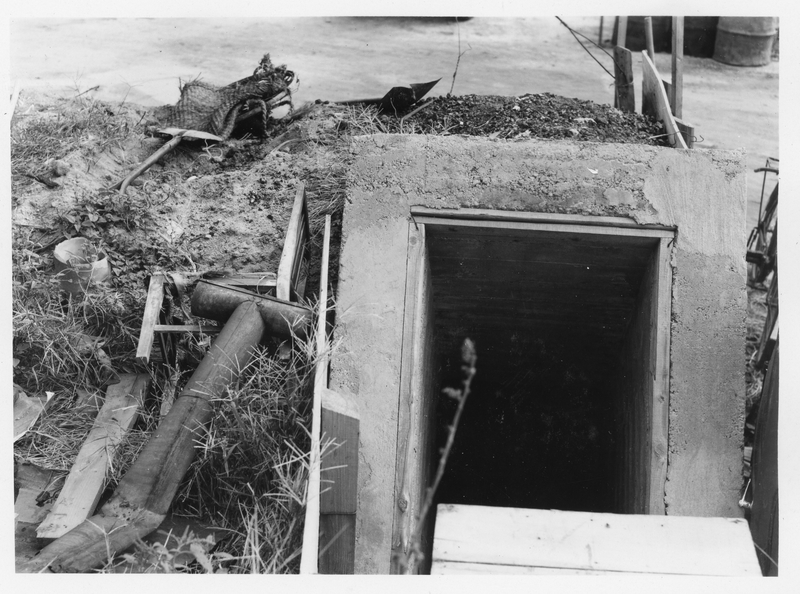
(701,193)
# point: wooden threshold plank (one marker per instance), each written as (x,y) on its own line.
(458,568)
(87,478)
(594,541)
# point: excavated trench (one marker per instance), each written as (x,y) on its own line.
(560,322)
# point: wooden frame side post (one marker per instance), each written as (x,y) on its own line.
(661,380)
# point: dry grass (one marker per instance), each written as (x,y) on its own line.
(78,123)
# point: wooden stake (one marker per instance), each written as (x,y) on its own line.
(624,98)
(622,31)
(309,562)
(676,99)
(648,33)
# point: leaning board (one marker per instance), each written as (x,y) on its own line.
(503,540)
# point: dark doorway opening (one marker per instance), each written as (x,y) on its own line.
(567,324)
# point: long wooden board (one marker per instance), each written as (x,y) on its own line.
(87,478)
(579,541)
(339,484)
(655,102)
(309,562)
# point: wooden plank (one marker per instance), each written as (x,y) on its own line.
(260,282)
(193,328)
(485,214)
(340,426)
(337,535)
(624,98)
(309,558)
(676,98)
(594,541)
(152,309)
(456,568)
(87,478)
(339,497)
(659,438)
(548,227)
(687,131)
(410,433)
(655,102)
(293,247)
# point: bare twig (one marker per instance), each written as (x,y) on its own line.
(460,53)
(468,358)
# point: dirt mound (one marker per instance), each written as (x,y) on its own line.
(530,116)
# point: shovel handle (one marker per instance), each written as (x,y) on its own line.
(147,163)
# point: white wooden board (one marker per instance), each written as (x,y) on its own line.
(86,479)
(511,540)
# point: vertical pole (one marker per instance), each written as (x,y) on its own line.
(600,34)
(676,96)
(648,33)
(622,31)
(309,562)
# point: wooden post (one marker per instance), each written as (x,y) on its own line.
(309,561)
(87,478)
(339,496)
(622,31)
(676,98)
(600,35)
(624,98)
(648,34)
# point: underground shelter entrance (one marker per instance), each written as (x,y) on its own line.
(570,318)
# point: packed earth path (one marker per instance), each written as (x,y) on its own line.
(142,61)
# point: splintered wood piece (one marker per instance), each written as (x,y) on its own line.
(152,309)
(510,540)
(291,261)
(655,102)
(87,478)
